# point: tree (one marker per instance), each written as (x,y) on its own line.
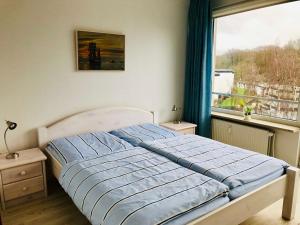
(269,64)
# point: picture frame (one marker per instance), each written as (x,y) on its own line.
(99,51)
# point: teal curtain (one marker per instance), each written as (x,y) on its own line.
(198,74)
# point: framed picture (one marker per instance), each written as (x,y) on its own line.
(100,51)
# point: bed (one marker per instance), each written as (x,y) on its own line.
(126,187)
(241,170)
(233,212)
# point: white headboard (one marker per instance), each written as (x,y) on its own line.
(103,119)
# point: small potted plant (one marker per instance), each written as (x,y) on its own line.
(247,112)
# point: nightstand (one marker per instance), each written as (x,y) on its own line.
(183,127)
(22,179)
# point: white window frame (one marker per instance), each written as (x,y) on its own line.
(230,7)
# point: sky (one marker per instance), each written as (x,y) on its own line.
(274,25)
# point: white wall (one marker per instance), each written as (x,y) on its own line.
(38,80)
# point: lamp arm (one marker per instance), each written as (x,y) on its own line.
(5,139)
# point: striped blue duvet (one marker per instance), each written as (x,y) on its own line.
(136,186)
(241,170)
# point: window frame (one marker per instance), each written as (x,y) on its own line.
(232,9)
(229,7)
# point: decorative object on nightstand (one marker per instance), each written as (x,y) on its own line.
(24,179)
(10,126)
(175,109)
(183,127)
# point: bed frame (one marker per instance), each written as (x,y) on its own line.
(233,213)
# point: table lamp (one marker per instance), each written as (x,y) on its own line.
(175,109)
(10,126)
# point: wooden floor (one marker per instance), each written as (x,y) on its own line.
(58,209)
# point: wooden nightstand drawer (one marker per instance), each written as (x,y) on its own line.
(188,131)
(21,172)
(23,188)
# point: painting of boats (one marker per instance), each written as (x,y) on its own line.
(100,51)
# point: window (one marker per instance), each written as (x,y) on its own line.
(258,62)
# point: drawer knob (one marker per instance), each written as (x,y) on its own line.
(24,188)
(23,173)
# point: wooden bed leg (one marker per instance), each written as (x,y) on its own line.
(291,191)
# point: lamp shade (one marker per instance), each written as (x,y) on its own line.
(11,125)
(174,109)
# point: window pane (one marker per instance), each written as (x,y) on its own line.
(258,61)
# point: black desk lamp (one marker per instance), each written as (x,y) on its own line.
(10,126)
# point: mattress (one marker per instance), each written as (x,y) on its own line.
(136,186)
(85,146)
(241,170)
(145,132)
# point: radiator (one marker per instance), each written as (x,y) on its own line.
(247,137)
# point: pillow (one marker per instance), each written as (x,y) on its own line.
(84,146)
(144,132)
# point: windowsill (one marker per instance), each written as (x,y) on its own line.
(255,122)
